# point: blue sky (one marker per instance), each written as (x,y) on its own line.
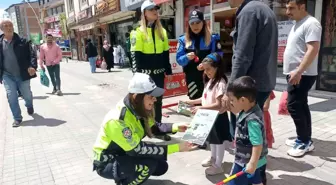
(5,4)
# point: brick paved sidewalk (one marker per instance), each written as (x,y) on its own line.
(54,146)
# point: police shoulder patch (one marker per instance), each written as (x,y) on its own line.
(127,133)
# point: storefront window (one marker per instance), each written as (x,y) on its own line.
(327,78)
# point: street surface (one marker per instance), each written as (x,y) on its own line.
(54,146)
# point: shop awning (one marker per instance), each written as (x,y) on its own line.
(160,1)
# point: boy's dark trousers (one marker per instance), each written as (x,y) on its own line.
(297,104)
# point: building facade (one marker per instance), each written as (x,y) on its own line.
(25,19)
(53,19)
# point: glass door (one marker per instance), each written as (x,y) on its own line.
(327,58)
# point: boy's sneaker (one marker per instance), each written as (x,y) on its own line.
(54,91)
(17,123)
(208,162)
(214,170)
(300,149)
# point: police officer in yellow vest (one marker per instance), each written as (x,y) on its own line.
(150,49)
(119,152)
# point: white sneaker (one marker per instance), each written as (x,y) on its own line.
(214,170)
(208,162)
(300,149)
(292,142)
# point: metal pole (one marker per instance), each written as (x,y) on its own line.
(38,20)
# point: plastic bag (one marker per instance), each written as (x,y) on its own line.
(283,104)
(103,65)
(44,78)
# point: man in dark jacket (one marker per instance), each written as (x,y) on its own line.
(255,50)
(18,65)
(91,54)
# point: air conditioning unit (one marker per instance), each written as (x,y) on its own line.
(167,9)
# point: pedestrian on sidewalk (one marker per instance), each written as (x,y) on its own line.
(51,56)
(91,54)
(119,152)
(150,50)
(253,55)
(108,55)
(215,85)
(18,65)
(251,144)
(301,67)
(128,49)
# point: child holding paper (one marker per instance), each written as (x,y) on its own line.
(215,84)
(251,143)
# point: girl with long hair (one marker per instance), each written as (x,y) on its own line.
(215,84)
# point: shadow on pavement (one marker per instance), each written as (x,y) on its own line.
(324,106)
(293,180)
(322,150)
(41,121)
(40,97)
(67,94)
(220,177)
(162,182)
(296,166)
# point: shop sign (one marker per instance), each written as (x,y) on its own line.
(87,27)
(176,87)
(35,38)
(129,3)
(176,68)
(106,6)
(71,20)
(54,32)
(284,28)
(49,19)
(160,1)
(87,13)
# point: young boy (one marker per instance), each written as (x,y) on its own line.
(251,144)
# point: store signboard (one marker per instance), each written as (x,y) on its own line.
(54,32)
(176,68)
(284,28)
(129,3)
(160,1)
(104,6)
(87,27)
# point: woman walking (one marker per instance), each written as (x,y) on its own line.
(150,50)
(108,55)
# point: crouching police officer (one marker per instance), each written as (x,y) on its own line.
(119,152)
